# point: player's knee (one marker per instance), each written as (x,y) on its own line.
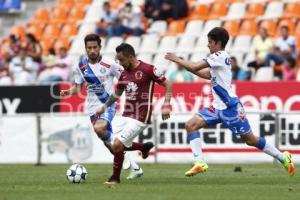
(117,147)
(100,131)
(190,127)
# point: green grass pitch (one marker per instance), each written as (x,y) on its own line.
(160,181)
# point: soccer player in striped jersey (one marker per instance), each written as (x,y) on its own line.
(226,107)
(98,74)
(137,80)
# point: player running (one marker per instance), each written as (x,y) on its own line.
(98,74)
(226,107)
(137,80)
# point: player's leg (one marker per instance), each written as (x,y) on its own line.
(204,118)
(124,139)
(263,145)
(235,119)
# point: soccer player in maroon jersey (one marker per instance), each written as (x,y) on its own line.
(138,81)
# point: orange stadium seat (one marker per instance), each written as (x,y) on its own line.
(58,15)
(270,25)
(18,30)
(292,10)
(41,16)
(254,10)
(46,45)
(51,31)
(286,22)
(68,30)
(200,12)
(35,29)
(68,3)
(85,2)
(76,14)
(116,4)
(297,28)
(232,27)
(176,27)
(298,42)
(61,42)
(248,27)
(219,9)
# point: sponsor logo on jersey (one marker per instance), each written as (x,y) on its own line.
(131,91)
(102,70)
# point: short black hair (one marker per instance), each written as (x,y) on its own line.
(92,37)
(285,27)
(126,49)
(219,34)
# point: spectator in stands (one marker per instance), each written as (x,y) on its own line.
(164,9)
(289,69)
(285,47)
(22,69)
(4,74)
(33,48)
(59,70)
(180,74)
(131,18)
(263,45)
(107,22)
(237,72)
(14,46)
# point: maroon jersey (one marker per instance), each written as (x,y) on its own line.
(138,84)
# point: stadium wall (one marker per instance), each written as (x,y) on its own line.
(47,135)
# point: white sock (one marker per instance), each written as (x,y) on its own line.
(197,150)
(272,151)
(133,164)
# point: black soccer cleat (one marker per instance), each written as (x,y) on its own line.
(146,148)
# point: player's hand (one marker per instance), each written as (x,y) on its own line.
(64,93)
(165,111)
(171,57)
(100,111)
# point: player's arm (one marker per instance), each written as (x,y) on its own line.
(112,99)
(204,73)
(74,89)
(196,68)
(166,108)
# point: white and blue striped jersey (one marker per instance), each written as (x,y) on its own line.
(99,79)
(221,79)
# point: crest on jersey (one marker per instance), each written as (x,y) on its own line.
(102,70)
(138,75)
(157,72)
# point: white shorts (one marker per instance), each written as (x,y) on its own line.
(126,129)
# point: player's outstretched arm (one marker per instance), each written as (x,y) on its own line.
(112,99)
(191,66)
(166,108)
(74,89)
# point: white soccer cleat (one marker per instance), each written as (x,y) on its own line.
(135,173)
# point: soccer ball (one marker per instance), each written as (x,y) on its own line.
(76,174)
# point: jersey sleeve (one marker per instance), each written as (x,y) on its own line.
(121,84)
(213,60)
(157,75)
(78,79)
(116,70)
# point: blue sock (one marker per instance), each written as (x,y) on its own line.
(193,135)
(261,143)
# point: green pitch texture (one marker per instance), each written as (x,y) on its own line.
(160,181)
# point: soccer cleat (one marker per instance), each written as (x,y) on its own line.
(112,181)
(288,164)
(126,162)
(146,148)
(135,173)
(198,167)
